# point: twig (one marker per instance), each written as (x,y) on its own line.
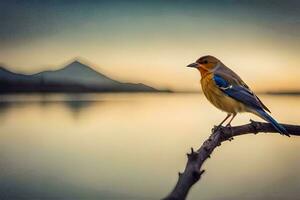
(193,172)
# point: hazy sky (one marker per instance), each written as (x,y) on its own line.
(153,41)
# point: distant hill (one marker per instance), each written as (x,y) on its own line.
(75,77)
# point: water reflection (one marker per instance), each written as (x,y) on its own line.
(131,146)
(74,104)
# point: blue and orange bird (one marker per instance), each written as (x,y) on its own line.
(228,92)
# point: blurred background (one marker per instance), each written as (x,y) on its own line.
(152,41)
(96,102)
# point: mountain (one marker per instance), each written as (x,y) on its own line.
(76,72)
(75,77)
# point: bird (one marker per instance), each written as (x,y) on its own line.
(228,92)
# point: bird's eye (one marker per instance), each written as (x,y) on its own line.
(205,62)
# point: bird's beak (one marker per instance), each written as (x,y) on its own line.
(194,65)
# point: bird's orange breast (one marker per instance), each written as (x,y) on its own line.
(218,98)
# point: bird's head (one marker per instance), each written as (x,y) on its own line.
(205,64)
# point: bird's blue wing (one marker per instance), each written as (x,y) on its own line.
(237,92)
(247,97)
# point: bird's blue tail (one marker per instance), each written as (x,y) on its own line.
(272,121)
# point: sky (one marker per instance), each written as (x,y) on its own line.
(152,41)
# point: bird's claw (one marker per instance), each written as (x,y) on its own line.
(214,129)
(231,132)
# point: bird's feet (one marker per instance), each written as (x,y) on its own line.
(228,125)
(215,129)
(231,132)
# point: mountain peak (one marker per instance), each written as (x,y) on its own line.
(77,72)
(76,61)
(77,64)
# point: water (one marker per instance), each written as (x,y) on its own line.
(131,146)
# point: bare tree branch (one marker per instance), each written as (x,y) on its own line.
(193,172)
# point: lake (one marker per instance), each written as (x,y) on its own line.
(131,146)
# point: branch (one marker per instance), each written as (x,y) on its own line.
(193,172)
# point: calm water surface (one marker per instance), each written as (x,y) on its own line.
(131,146)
